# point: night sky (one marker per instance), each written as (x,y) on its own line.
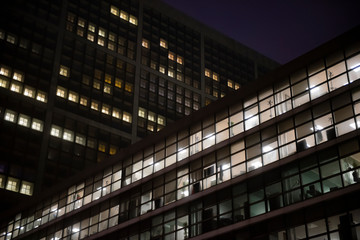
(281,30)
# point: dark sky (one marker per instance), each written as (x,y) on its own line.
(279,29)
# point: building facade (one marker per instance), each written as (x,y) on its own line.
(278,159)
(81,79)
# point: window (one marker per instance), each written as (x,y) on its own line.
(5,71)
(162,69)
(102,32)
(102,147)
(61,92)
(230,84)
(64,71)
(171,73)
(55,131)
(128,87)
(4,83)
(108,78)
(142,113)
(107,88)
(16,87)
(171,56)
(101,42)
(116,113)
(145,43)
(124,15)
(127,117)
(161,120)
(91,37)
(83,101)
(163,43)
(180,60)
(18,76)
(118,83)
(133,20)
(80,139)
(105,109)
(73,97)
(95,106)
(114,11)
(29,92)
(207,72)
(91,27)
(26,188)
(96,85)
(215,76)
(41,96)
(37,125)
(12,184)
(151,116)
(10,116)
(24,120)
(11,39)
(68,135)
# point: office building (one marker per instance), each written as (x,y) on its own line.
(277,159)
(81,79)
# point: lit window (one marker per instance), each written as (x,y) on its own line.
(91,37)
(111,46)
(23,43)
(161,120)
(163,43)
(150,127)
(64,71)
(179,77)
(26,188)
(61,92)
(24,120)
(71,17)
(80,32)
(215,76)
(18,76)
(37,125)
(112,37)
(55,131)
(29,92)
(102,147)
(79,139)
(127,117)
(101,42)
(102,32)
(230,84)
(4,83)
(237,86)
(5,71)
(12,184)
(41,96)
(11,39)
(95,106)
(91,27)
(118,83)
(215,93)
(112,150)
(96,85)
(68,135)
(180,60)
(15,87)
(105,109)
(10,116)
(171,56)
(83,101)
(128,87)
(162,69)
(124,15)
(207,72)
(151,116)
(133,20)
(114,11)
(81,22)
(73,97)
(142,113)
(170,73)
(116,113)
(145,43)
(107,88)
(153,65)
(108,78)
(91,143)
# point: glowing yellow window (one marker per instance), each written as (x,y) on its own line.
(215,94)
(171,56)
(114,10)
(37,125)
(128,87)
(150,127)
(64,71)
(161,120)
(80,32)
(145,43)
(83,101)
(5,71)
(71,17)
(112,37)
(81,22)
(151,116)
(107,88)
(91,27)
(24,120)
(102,147)
(90,37)
(207,72)
(29,92)
(18,76)
(133,20)
(116,113)
(61,92)
(26,188)
(180,60)
(105,109)
(215,76)
(68,135)
(10,116)
(142,113)
(112,150)
(41,96)
(12,184)
(4,83)
(124,15)
(96,85)
(101,41)
(111,46)
(230,84)
(95,106)
(162,69)
(102,32)
(163,43)
(108,78)
(127,117)
(179,77)
(118,83)
(73,97)
(16,87)
(170,73)
(237,86)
